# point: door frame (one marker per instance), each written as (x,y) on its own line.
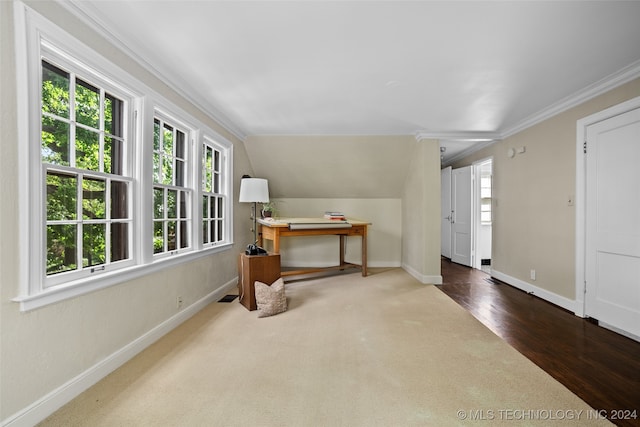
(445,238)
(580,198)
(477,220)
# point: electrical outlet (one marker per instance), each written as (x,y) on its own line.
(179,302)
(533,275)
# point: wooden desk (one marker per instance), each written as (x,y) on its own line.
(274,229)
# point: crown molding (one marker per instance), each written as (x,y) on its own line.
(600,87)
(479,136)
(468,151)
(87,14)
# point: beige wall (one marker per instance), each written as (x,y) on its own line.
(44,348)
(332,166)
(534,228)
(421,213)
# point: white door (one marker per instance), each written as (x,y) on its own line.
(612,237)
(461,224)
(445,212)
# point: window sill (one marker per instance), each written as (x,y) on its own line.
(87,285)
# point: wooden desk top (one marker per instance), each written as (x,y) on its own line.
(284,222)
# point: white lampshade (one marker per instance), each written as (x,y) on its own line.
(254,190)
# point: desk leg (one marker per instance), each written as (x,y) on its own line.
(342,249)
(364,253)
(276,242)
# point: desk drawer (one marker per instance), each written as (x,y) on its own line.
(356,231)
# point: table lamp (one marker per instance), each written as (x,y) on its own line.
(254,190)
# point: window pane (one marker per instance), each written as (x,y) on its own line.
(158,237)
(62,192)
(158,203)
(55,141)
(183,204)
(55,90)
(93,198)
(171,236)
(205,205)
(156,135)
(119,241)
(87,149)
(207,169)
(180,173)
(179,144)
(119,200)
(216,166)
(212,207)
(212,231)
(167,139)
(220,236)
(172,204)
(220,207)
(216,183)
(61,248)
(167,170)
(113,110)
(156,168)
(184,235)
(87,104)
(94,245)
(113,156)
(205,232)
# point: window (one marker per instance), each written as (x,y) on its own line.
(171,197)
(485,197)
(213,195)
(87,194)
(110,177)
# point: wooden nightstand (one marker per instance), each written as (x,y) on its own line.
(263,268)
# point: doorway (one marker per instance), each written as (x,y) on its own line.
(466,217)
(483,215)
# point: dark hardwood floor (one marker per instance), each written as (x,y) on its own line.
(600,366)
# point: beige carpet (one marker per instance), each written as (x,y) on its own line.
(351,351)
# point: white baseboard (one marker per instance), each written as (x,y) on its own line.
(47,405)
(422,278)
(546,295)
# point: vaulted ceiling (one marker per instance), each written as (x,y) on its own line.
(460,71)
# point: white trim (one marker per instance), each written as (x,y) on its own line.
(480,136)
(422,278)
(45,406)
(610,82)
(580,200)
(79,287)
(35,34)
(566,303)
(604,85)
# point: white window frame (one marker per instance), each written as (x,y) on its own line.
(35,37)
(223,189)
(189,179)
(53,56)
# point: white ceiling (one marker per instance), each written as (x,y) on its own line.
(455,70)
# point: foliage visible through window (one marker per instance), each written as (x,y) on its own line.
(212,197)
(87,196)
(171,197)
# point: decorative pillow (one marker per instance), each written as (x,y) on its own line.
(270,299)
